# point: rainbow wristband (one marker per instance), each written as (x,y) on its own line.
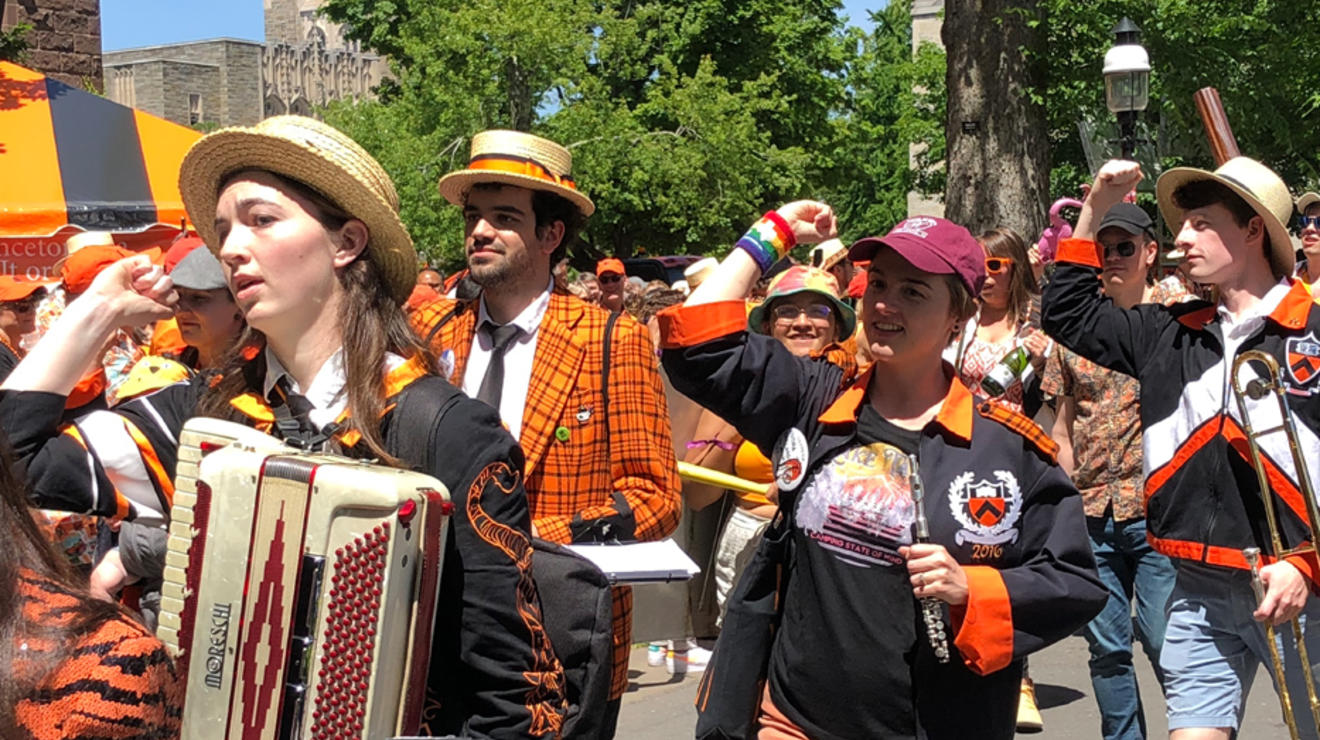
(767,240)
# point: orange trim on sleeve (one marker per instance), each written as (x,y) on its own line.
(985,624)
(1079,252)
(1308,565)
(122,507)
(152,461)
(688,326)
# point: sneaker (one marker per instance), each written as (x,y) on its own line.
(1028,716)
(655,653)
(692,660)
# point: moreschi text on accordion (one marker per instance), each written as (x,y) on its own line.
(304,584)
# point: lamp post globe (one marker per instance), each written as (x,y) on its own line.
(1127,80)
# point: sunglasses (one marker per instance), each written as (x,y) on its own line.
(1124,249)
(1312,222)
(609,278)
(814,311)
(997,265)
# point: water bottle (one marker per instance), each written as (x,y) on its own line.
(1014,366)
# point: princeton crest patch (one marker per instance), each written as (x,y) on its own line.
(1303,357)
(986,509)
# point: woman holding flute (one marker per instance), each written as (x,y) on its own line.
(1006,559)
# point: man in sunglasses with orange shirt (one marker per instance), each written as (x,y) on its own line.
(1098,428)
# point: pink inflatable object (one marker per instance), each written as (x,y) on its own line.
(1058,230)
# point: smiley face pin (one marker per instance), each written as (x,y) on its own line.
(584,414)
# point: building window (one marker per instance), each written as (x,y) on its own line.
(194,109)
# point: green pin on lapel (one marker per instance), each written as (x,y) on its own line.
(562,434)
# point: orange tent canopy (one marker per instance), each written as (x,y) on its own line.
(76,161)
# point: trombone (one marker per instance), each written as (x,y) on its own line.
(1255,390)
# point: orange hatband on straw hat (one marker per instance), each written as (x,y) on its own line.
(518,159)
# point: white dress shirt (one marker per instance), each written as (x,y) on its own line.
(326,393)
(518,358)
(1236,330)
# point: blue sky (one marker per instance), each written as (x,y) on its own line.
(129,23)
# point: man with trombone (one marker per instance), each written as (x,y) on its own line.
(1224,492)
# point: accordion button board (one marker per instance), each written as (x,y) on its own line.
(300,589)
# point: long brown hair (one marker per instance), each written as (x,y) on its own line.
(25,548)
(371,325)
(1003,242)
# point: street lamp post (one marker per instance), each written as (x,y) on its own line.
(1127,81)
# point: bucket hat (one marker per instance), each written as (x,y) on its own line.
(800,279)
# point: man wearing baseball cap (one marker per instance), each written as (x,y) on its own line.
(1202,495)
(944,613)
(1098,428)
(596,470)
(610,275)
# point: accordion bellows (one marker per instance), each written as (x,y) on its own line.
(300,589)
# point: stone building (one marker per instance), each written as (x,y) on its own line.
(65,40)
(215,82)
(305,62)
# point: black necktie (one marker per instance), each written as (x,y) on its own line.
(292,412)
(492,384)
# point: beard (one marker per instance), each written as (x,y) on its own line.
(510,268)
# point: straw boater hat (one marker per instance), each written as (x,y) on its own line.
(1257,184)
(318,156)
(1306,201)
(519,159)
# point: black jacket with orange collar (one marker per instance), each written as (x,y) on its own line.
(1030,571)
(493,672)
(1203,501)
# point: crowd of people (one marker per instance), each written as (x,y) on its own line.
(950,451)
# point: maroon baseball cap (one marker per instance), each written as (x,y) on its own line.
(933,245)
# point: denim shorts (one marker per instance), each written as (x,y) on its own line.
(1212,648)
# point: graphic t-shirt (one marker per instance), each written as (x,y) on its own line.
(842,662)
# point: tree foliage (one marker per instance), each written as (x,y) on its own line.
(1263,57)
(685,119)
(14,42)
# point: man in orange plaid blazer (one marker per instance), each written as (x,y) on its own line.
(591,475)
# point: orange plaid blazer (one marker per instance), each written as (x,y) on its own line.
(579,475)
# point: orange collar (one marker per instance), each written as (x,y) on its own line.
(955,414)
(253,406)
(1295,308)
(1291,313)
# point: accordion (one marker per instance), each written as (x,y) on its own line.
(299,589)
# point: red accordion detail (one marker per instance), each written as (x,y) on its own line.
(341,706)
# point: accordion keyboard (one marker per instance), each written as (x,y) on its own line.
(300,590)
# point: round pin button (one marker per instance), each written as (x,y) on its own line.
(562,434)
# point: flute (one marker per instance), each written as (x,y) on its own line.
(931,610)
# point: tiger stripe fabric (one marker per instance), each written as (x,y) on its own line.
(572,470)
(116,682)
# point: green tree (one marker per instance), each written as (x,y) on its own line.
(1263,57)
(685,119)
(14,43)
(895,100)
